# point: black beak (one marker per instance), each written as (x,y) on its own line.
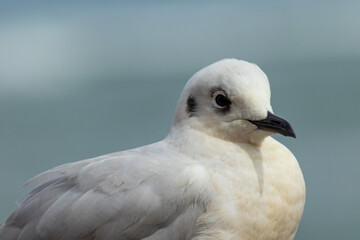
(275,124)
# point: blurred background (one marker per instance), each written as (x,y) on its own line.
(80,79)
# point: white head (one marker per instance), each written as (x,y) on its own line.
(229,99)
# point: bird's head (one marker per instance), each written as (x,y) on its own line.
(230,99)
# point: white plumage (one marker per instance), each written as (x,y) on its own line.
(217,175)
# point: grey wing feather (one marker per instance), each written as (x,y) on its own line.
(74,203)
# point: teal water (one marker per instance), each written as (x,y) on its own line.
(77,82)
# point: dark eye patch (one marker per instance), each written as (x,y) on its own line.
(191,105)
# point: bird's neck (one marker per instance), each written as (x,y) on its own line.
(192,141)
(191,133)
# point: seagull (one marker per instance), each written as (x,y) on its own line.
(217,175)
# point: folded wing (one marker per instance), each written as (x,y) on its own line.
(110,197)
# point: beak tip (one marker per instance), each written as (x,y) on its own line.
(288,131)
(291,134)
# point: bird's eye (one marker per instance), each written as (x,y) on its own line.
(221,100)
